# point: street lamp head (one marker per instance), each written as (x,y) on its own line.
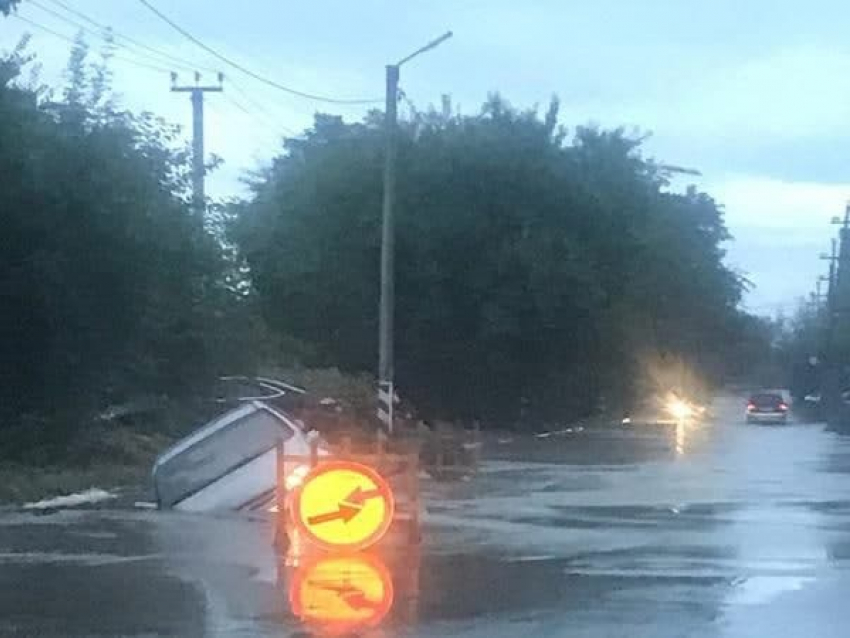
(835,220)
(427,47)
(825,256)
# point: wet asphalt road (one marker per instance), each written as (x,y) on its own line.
(723,530)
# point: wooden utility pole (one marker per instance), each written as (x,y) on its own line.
(198,169)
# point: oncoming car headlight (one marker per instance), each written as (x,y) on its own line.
(679,409)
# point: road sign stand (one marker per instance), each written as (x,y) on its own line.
(395,463)
(281,535)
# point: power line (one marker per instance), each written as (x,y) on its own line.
(223,113)
(58,15)
(237,105)
(269,124)
(260,117)
(103,35)
(261,109)
(240,107)
(62,36)
(182,62)
(246,71)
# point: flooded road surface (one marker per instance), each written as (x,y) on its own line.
(721,530)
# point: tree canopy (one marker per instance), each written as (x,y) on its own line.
(112,285)
(534,268)
(540,272)
(6,6)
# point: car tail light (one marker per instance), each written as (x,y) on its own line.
(750,407)
(783,407)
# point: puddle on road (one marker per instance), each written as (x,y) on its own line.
(761,589)
(341,595)
(372,595)
(538,549)
(57,599)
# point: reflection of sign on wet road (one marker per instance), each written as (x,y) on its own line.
(343,505)
(339,594)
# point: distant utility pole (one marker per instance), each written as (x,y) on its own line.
(832,258)
(386,389)
(447,106)
(823,298)
(197,93)
(838,258)
(840,263)
(828,379)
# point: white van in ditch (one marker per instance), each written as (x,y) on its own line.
(229,463)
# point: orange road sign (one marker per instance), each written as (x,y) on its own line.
(339,594)
(343,505)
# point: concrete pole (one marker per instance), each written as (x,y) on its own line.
(198,190)
(387,304)
(198,170)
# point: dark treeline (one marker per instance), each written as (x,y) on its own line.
(112,287)
(537,271)
(536,267)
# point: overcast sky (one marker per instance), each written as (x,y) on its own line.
(754,94)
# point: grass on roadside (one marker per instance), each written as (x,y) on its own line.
(106,458)
(22,484)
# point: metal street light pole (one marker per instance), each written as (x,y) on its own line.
(386,391)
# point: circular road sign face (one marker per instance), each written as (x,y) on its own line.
(343,505)
(340,594)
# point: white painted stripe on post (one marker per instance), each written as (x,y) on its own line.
(384,408)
